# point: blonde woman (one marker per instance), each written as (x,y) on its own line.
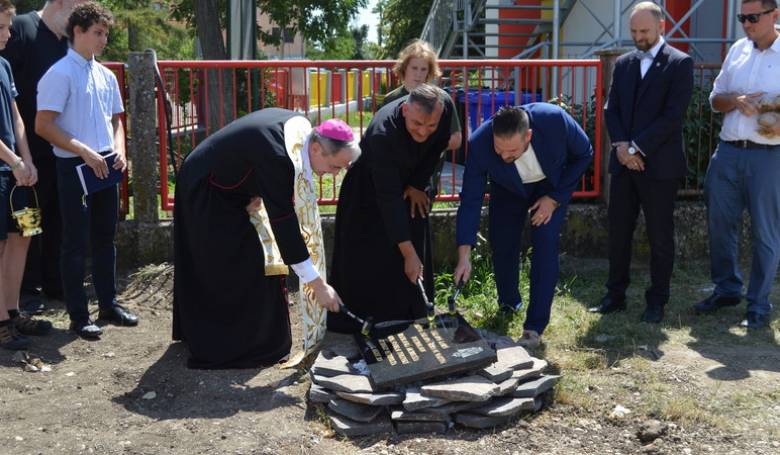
(417,64)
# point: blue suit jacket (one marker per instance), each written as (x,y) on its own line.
(650,112)
(562,149)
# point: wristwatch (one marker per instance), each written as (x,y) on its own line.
(632,150)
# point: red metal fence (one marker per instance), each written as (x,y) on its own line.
(206,95)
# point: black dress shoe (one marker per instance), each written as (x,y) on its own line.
(118,315)
(714,303)
(653,314)
(86,329)
(609,305)
(755,321)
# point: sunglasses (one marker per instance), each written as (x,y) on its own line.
(752,18)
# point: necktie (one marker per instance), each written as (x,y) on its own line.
(644,54)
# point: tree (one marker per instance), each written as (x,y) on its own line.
(401,23)
(359,36)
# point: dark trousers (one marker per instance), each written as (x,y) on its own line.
(507,213)
(42,269)
(630,191)
(90,218)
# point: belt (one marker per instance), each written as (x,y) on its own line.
(750,145)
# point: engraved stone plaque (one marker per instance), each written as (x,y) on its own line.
(419,353)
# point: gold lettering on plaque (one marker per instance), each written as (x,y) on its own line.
(434,349)
(437,336)
(388,352)
(418,344)
(408,346)
(398,351)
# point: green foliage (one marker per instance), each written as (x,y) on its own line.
(701,128)
(142,27)
(402,21)
(25,6)
(317,20)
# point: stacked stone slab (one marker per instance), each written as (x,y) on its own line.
(515,384)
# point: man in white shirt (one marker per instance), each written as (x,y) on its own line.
(79,108)
(650,91)
(743,172)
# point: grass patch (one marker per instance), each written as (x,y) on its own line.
(692,370)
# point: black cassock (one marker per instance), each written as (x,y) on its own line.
(224,307)
(372,218)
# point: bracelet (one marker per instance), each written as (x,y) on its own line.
(18,163)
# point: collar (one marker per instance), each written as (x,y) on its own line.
(81,61)
(657,48)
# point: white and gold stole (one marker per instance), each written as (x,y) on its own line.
(314,316)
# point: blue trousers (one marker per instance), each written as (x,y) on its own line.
(86,219)
(739,179)
(507,213)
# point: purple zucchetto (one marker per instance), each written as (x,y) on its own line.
(335,129)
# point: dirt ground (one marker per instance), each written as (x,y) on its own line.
(130,393)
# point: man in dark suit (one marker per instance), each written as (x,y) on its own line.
(534,156)
(651,88)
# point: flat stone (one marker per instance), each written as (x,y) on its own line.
(347,427)
(373,399)
(330,366)
(508,386)
(496,372)
(533,372)
(354,411)
(414,400)
(479,421)
(340,344)
(470,388)
(454,407)
(506,407)
(417,416)
(421,427)
(509,359)
(535,387)
(319,394)
(351,383)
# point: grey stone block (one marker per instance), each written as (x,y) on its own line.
(373,399)
(535,387)
(508,386)
(329,366)
(351,383)
(347,427)
(470,388)
(479,421)
(414,400)
(319,394)
(421,427)
(354,411)
(534,371)
(506,407)
(417,416)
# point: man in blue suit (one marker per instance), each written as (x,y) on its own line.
(651,88)
(534,156)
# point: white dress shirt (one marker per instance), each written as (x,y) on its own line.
(305,269)
(86,95)
(645,63)
(748,70)
(528,166)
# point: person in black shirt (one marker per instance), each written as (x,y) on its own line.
(381,247)
(37,42)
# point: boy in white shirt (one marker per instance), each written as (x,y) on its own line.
(79,108)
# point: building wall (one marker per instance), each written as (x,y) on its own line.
(290,50)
